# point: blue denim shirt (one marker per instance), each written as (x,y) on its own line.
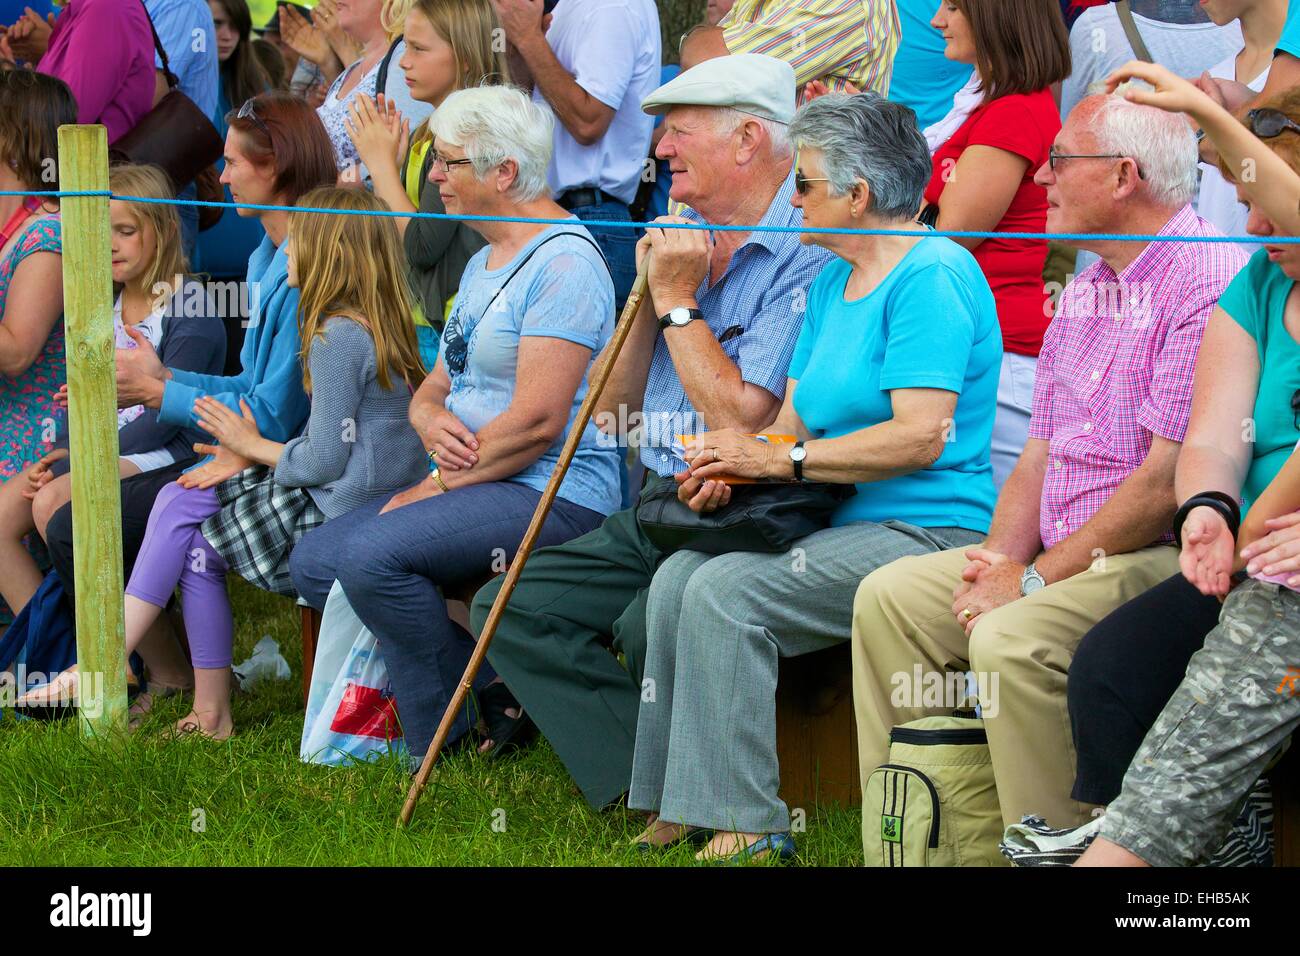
(755,309)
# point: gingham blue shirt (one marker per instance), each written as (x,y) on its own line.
(755,310)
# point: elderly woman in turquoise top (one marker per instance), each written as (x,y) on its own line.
(892,388)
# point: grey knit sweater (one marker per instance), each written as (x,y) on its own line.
(358,444)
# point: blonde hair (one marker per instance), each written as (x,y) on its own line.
(470,28)
(353,265)
(150,182)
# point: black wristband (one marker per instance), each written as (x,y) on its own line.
(1227,508)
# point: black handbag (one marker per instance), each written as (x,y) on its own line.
(174,135)
(767,517)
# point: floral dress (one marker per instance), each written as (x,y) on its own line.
(27,406)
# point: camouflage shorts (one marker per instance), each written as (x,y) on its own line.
(1233,712)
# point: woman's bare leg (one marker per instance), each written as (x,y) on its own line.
(19,575)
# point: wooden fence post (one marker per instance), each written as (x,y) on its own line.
(92,425)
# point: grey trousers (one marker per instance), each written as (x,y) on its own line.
(716,627)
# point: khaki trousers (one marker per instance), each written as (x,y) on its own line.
(1021,653)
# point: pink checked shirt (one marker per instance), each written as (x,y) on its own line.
(1116,367)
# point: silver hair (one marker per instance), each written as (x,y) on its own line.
(728,120)
(866,137)
(1161,143)
(496,123)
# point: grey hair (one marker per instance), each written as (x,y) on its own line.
(728,120)
(866,137)
(1162,144)
(496,123)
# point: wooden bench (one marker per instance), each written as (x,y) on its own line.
(816,739)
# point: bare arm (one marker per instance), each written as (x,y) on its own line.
(550,371)
(1014,530)
(585,117)
(980,190)
(913,439)
(32,307)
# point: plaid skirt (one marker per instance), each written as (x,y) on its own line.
(259,523)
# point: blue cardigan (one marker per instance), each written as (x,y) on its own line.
(270,378)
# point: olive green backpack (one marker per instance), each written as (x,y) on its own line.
(934,803)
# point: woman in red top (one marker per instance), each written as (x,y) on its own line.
(983,179)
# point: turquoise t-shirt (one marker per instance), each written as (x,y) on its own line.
(1256,300)
(563,292)
(931,323)
(923,78)
(1289,41)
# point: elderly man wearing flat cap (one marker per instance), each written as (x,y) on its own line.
(709,350)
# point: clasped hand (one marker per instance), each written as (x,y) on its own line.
(711,455)
(679,262)
(991,580)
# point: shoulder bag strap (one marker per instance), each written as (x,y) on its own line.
(1131,31)
(381,81)
(172,80)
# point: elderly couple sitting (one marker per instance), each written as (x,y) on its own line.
(652,674)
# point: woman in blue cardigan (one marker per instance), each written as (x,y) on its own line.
(276,150)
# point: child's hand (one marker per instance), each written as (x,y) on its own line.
(39,474)
(61,397)
(224,464)
(236,433)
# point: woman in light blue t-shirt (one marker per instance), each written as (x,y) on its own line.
(893,388)
(535,306)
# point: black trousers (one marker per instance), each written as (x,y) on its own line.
(138,494)
(1123,674)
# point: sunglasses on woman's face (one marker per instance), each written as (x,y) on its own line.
(1268,123)
(248,112)
(801,182)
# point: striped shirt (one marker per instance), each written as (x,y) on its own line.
(838,41)
(1116,368)
(755,310)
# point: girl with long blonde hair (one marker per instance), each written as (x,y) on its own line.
(152,289)
(450,45)
(246,508)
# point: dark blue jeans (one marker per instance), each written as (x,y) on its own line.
(391,567)
(618,245)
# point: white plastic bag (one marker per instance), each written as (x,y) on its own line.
(267,663)
(351,714)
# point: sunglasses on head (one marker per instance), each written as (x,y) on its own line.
(1268,123)
(248,112)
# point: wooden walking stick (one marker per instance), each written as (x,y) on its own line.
(516,568)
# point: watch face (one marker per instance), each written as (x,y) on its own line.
(679,317)
(798,453)
(1032,583)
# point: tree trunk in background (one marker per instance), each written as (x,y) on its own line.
(675,18)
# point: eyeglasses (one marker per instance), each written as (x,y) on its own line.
(801,182)
(1268,123)
(443,163)
(1054,157)
(247,112)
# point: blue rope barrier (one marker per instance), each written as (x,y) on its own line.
(703,227)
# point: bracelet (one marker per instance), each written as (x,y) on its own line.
(1225,505)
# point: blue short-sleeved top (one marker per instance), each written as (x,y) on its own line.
(930,323)
(562,292)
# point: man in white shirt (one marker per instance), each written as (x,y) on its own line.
(1178,34)
(593,62)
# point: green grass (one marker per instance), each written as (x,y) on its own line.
(64,801)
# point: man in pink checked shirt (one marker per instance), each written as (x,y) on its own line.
(1082,525)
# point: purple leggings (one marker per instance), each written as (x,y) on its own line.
(175,553)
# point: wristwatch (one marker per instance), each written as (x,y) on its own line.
(437,479)
(797,455)
(679,317)
(1031,581)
